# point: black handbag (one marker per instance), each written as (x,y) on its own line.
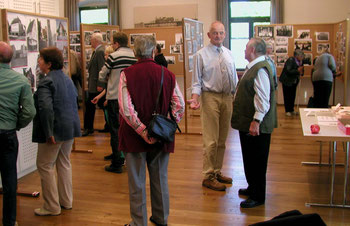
(161,127)
(311,102)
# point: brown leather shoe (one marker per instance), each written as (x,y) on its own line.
(213,184)
(222,179)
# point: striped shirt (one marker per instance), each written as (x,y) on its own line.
(128,112)
(116,62)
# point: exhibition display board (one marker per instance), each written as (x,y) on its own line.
(27,33)
(193,41)
(312,39)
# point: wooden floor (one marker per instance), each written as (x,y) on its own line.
(101,198)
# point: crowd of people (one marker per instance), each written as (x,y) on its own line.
(125,84)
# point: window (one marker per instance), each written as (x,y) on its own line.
(244,15)
(93,15)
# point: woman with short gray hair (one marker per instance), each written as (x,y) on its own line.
(138,90)
(293,69)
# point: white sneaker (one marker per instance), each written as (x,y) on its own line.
(43,212)
(289,114)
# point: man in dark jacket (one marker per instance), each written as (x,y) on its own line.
(159,57)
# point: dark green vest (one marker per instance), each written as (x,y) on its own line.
(243,106)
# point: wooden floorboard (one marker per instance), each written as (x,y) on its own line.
(101,198)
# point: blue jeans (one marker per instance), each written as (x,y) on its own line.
(8,169)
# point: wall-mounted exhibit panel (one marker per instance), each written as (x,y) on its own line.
(193,41)
(27,34)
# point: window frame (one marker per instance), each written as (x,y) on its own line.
(85,8)
(250,20)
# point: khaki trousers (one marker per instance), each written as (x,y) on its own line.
(216,113)
(55,194)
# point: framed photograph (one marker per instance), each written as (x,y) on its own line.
(187,31)
(303,34)
(87,37)
(16,26)
(190,63)
(74,38)
(170,59)
(178,39)
(321,47)
(322,36)
(281,49)
(161,43)
(175,49)
(281,41)
(265,31)
(284,31)
(32,36)
(134,36)
(281,59)
(109,38)
(104,36)
(307,59)
(303,44)
(189,47)
(62,29)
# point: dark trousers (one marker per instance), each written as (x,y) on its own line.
(8,169)
(322,92)
(289,93)
(90,109)
(255,152)
(113,120)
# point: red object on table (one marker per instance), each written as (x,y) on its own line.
(315,129)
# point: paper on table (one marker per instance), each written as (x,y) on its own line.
(326,119)
(328,123)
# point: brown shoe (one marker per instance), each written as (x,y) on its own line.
(222,179)
(213,184)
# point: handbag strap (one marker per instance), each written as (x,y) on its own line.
(159,92)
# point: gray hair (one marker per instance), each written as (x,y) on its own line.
(259,45)
(144,46)
(97,36)
(298,52)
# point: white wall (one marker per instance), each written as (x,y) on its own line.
(315,11)
(61,5)
(206,10)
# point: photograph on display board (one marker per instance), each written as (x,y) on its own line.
(77,49)
(88,54)
(307,59)
(187,31)
(193,32)
(194,46)
(134,36)
(108,34)
(16,26)
(281,41)
(74,38)
(32,36)
(87,37)
(63,46)
(321,47)
(284,31)
(43,33)
(322,36)
(282,49)
(61,30)
(170,59)
(161,43)
(281,59)
(20,54)
(178,39)
(190,63)
(303,44)
(303,34)
(104,36)
(175,49)
(181,58)
(189,47)
(28,73)
(265,32)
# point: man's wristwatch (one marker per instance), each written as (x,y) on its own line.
(257,120)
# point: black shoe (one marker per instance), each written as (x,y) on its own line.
(243,191)
(113,169)
(105,130)
(250,203)
(154,222)
(87,132)
(108,157)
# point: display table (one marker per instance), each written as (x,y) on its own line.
(332,134)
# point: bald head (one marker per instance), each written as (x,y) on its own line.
(217,33)
(6,53)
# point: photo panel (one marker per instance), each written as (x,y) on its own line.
(284,31)
(265,31)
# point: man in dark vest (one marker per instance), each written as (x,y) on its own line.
(255,116)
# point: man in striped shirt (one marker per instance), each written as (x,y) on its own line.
(122,58)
